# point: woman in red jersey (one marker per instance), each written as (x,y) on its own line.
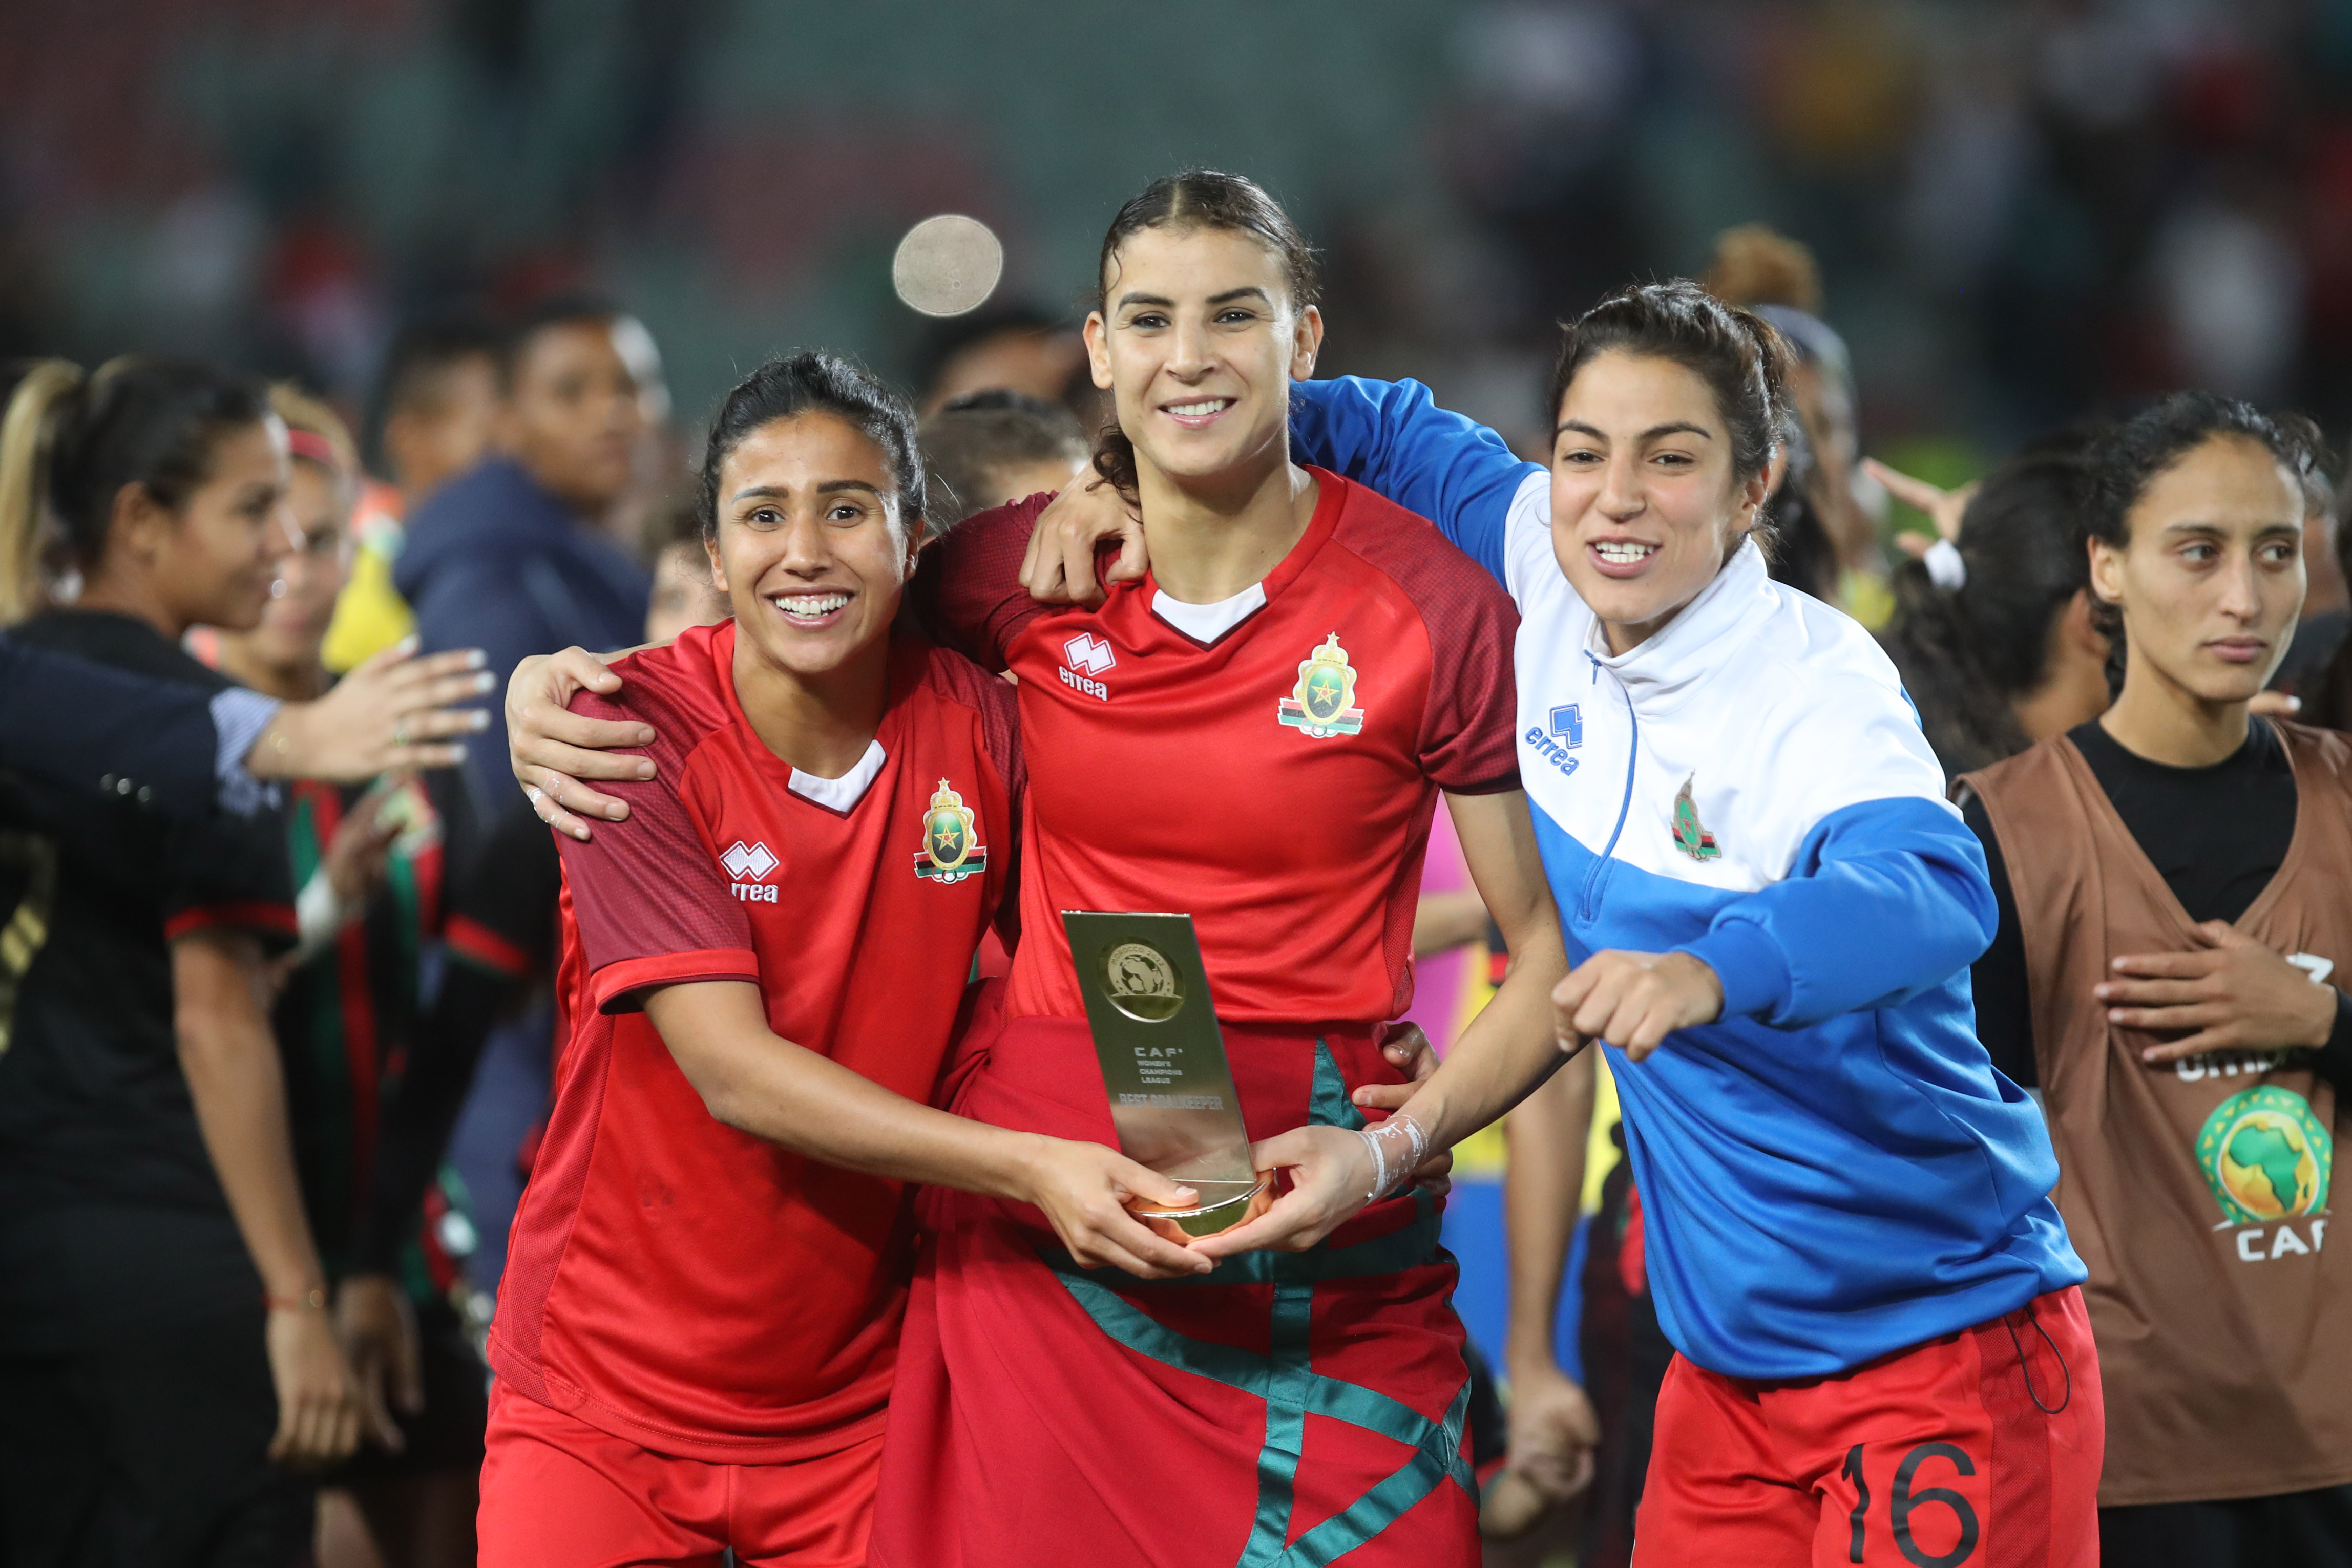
(701,1311)
(1307,1400)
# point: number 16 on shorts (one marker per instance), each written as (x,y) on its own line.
(1921,1498)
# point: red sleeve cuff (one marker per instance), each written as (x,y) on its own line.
(270,919)
(618,985)
(1491,787)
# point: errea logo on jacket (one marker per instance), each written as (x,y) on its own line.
(750,865)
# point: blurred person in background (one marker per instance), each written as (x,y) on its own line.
(517,555)
(685,594)
(513,554)
(371,862)
(2171,883)
(1006,348)
(437,398)
(2320,632)
(168,1359)
(1760,270)
(986,448)
(1996,636)
(2330,702)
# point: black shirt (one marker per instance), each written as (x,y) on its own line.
(2217,835)
(111,1213)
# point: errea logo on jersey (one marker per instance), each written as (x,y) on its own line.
(1566,735)
(750,865)
(1093,655)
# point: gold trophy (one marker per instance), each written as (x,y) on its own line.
(1165,1067)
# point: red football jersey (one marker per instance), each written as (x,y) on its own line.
(1273,778)
(674,1281)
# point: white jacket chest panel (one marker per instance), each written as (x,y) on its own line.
(1707,702)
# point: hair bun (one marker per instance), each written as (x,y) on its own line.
(1755,264)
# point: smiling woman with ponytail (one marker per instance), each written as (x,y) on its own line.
(157,1276)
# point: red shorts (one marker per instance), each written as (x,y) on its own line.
(560,1493)
(1980,1450)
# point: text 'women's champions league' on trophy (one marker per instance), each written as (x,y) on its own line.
(1165,1067)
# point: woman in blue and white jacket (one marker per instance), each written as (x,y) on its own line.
(1772,909)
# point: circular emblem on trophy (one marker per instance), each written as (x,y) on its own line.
(1142,983)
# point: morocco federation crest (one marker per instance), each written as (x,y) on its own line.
(1322,703)
(952,848)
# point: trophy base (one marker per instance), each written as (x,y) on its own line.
(1224,1203)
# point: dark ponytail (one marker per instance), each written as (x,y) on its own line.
(1967,654)
(70,444)
(1195,199)
(814,381)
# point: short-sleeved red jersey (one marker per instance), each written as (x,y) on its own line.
(674,1281)
(1275,782)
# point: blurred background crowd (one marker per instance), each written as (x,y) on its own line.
(2023,208)
(515,248)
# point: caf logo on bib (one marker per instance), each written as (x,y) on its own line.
(1322,703)
(2265,1156)
(952,848)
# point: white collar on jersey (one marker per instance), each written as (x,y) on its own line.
(841,794)
(1207,622)
(1692,647)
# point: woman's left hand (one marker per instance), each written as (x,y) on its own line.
(1330,1181)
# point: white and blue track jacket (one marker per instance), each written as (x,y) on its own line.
(1834,1170)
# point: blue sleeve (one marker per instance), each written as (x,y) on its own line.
(1886,899)
(1392,438)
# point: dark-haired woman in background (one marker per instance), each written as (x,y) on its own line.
(1995,638)
(2171,883)
(165,1346)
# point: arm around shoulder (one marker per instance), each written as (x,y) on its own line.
(1392,438)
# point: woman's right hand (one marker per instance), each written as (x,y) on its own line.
(1944,508)
(318,1402)
(551,749)
(1059,568)
(1083,1189)
(394,711)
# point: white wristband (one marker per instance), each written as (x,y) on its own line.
(1380,1167)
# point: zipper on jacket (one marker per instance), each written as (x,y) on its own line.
(1588,903)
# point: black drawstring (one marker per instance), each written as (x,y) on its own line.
(2019,1345)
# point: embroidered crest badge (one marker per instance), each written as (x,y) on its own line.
(1690,836)
(1322,703)
(952,848)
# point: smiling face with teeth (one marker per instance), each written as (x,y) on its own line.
(1646,503)
(811,551)
(1198,341)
